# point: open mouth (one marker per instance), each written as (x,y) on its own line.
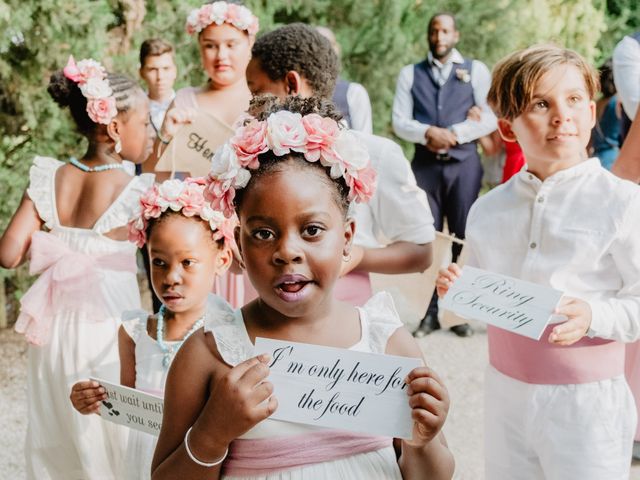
(292,287)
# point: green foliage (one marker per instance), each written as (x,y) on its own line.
(377,37)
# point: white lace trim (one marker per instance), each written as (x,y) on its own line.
(135,323)
(126,206)
(41,184)
(378,314)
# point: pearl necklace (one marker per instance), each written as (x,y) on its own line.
(170,350)
(99,168)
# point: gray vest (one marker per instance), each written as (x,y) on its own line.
(340,99)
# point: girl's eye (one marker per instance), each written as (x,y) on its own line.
(157,262)
(188,263)
(313,230)
(540,105)
(574,99)
(262,234)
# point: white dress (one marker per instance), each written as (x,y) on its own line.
(151,376)
(378,320)
(61,443)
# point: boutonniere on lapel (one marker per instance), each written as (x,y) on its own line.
(462,74)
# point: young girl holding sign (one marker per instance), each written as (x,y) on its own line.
(559,407)
(176,224)
(290,174)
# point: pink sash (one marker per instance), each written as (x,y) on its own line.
(268,455)
(68,280)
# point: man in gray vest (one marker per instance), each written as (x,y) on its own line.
(430,109)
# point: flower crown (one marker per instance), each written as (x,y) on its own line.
(317,138)
(222,12)
(179,196)
(91,77)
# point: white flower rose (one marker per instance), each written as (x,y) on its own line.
(285,132)
(170,191)
(225,164)
(96,87)
(353,154)
(219,12)
(242,178)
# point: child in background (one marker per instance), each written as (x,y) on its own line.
(73,221)
(188,244)
(558,408)
(605,139)
(289,174)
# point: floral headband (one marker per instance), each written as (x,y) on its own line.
(222,12)
(179,196)
(317,138)
(91,77)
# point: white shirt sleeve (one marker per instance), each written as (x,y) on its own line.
(400,208)
(359,108)
(617,316)
(626,74)
(471,130)
(404,125)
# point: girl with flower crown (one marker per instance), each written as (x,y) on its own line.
(225,33)
(290,178)
(73,222)
(188,245)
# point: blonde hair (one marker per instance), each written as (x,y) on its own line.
(515,77)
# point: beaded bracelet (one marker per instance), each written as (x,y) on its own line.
(199,462)
(166,142)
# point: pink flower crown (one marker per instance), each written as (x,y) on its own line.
(186,197)
(91,77)
(317,138)
(222,12)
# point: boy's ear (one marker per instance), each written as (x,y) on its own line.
(223,260)
(592,107)
(293,82)
(506,132)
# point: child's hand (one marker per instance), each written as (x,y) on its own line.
(578,313)
(429,400)
(446,277)
(241,399)
(87,396)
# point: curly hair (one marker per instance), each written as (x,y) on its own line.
(66,93)
(264,105)
(299,47)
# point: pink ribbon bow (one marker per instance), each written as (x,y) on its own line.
(69,281)
(71,70)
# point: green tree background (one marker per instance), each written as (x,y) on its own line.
(377,37)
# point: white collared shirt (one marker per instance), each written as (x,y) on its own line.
(359,108)
(578,232)
(411,130)
(626,74)
(398,210)
(157,110)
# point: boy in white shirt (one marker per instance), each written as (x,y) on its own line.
(558,408)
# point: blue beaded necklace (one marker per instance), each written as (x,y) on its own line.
(100,168)
(170,350)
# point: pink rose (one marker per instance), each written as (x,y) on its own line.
(362,184)
(192,200)
(321,134)
(226,230)
(220,194)
(233,13)
(204,16)
(137,233)
(249,142)
(102,110)
(152,206)
(286,132)
(89,68)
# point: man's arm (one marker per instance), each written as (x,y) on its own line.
(471,130)
(403,122)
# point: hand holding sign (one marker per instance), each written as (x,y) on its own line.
(239,400)
(86,396)
(578,313)
(429,402)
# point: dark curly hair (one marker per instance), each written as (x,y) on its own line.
(299,47)
(66,93)
(264,105)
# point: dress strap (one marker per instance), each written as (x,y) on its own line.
(41,188)
(381,319)
(134,323)
(229,332)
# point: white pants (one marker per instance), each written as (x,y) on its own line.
(558,432)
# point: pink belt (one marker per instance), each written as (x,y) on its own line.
(268,455)
(68,280)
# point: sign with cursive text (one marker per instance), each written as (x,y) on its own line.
(193,147)
(520,307)
(131,408)
(340,388)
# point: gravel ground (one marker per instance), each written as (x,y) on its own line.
(460,362)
